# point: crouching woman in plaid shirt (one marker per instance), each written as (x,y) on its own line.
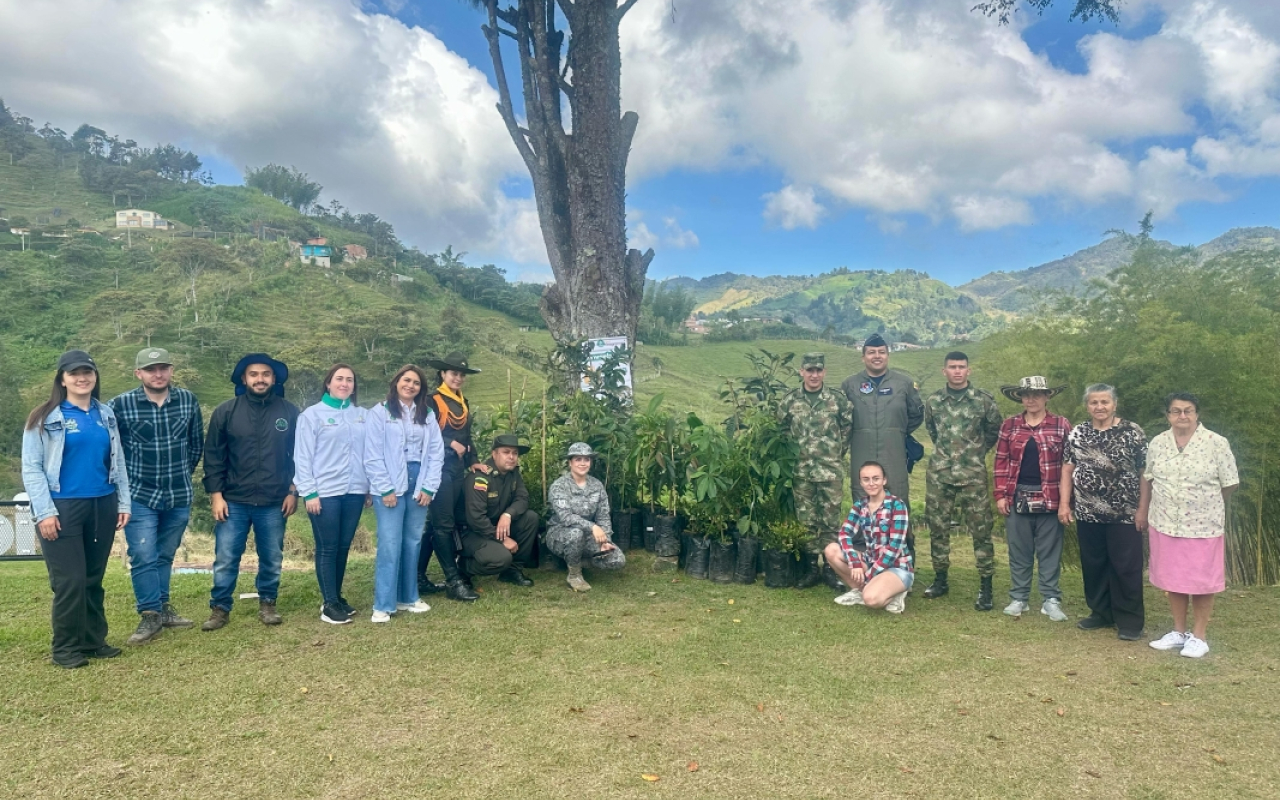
(870,555)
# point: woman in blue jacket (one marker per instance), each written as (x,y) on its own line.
(403,454)
(328,459)
(73,470)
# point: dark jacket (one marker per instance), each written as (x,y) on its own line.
(490,496)
(454,465)
(248,452)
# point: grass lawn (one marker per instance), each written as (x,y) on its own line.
(540,692)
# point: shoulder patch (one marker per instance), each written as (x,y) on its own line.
(482,484)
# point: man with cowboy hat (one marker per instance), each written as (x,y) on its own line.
(819,420)
(448,508)
(963,422)
(501,528)
(248,473)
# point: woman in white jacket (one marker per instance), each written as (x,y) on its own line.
(402,458)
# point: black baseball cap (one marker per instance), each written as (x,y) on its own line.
(75,359)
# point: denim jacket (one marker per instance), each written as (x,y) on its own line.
(42,461)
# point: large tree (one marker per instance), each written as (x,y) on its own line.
(579,173)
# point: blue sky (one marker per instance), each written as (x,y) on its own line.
(859,133)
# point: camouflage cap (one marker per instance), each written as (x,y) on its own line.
(813,360)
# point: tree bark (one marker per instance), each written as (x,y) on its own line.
(579,176)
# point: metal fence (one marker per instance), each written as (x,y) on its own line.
(18,538)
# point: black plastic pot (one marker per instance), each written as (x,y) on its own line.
(621,529)
(666,542)
(722,560)
(779,569)
(650,535)
(698,551)
(637,529)
(744,569)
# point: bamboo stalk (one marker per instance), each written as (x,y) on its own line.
(544,446)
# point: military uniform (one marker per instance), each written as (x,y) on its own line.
(820,423)
(963,427)
(488,497)
(885,412)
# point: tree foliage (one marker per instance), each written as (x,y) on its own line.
(1083,10)
(287,184)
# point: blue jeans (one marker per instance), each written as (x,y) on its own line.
(229,540)
(153,538)
(395,577)
(334,528)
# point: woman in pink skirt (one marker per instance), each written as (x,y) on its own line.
(1190,474)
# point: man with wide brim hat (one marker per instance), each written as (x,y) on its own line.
(1028,385)
(501,528)
(448,508)
(455,361)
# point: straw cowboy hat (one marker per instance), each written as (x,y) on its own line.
(1035,383)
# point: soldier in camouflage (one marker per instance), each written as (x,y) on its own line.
(964,423)
(819,420)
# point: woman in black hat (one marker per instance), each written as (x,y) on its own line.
(73,469)
(447,511)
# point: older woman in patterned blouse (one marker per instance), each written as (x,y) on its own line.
(1102,491)
(580,528)
(1190,474)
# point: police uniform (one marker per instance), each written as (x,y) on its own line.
(487,498)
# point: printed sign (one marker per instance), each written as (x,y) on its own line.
(600,350)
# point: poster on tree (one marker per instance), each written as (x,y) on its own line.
(601,349)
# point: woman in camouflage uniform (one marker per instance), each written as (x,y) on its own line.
(580,528)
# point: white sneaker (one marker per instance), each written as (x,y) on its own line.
(1017,608)
(853,597)
(1173,640)
(1052,608)
(380,616)
(1194,648)
(897,604)
(416,607)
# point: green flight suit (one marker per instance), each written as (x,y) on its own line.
(883,417)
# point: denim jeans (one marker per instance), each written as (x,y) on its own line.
(153,538)
(334,528)
(229,540)
(395,577)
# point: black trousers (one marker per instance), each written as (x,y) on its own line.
(445,514)
(76,561)
(485,555)
(1111,560)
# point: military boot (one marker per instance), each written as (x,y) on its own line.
(576,581)
(151,626)
(812,574)
(458,589)
(984,602)
(267,612)
(939,587)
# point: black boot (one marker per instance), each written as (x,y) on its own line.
(812,575)
(832,581)
(459,589)
(939,587)
(512,574)
(984,603)
(456,585)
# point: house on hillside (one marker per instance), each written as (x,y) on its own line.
(316,251)
(355,252)
(138,218)
(695,325)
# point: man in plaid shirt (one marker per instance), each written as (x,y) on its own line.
(162,433)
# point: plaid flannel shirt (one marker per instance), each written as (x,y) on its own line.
(878,540)
(1051,436)
(162,445)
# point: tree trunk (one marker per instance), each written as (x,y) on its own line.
(579,177)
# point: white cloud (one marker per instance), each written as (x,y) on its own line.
(641,237)
(793,207)
(384,115)
(920,106)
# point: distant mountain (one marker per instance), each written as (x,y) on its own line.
(907,305)
(1019,290)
